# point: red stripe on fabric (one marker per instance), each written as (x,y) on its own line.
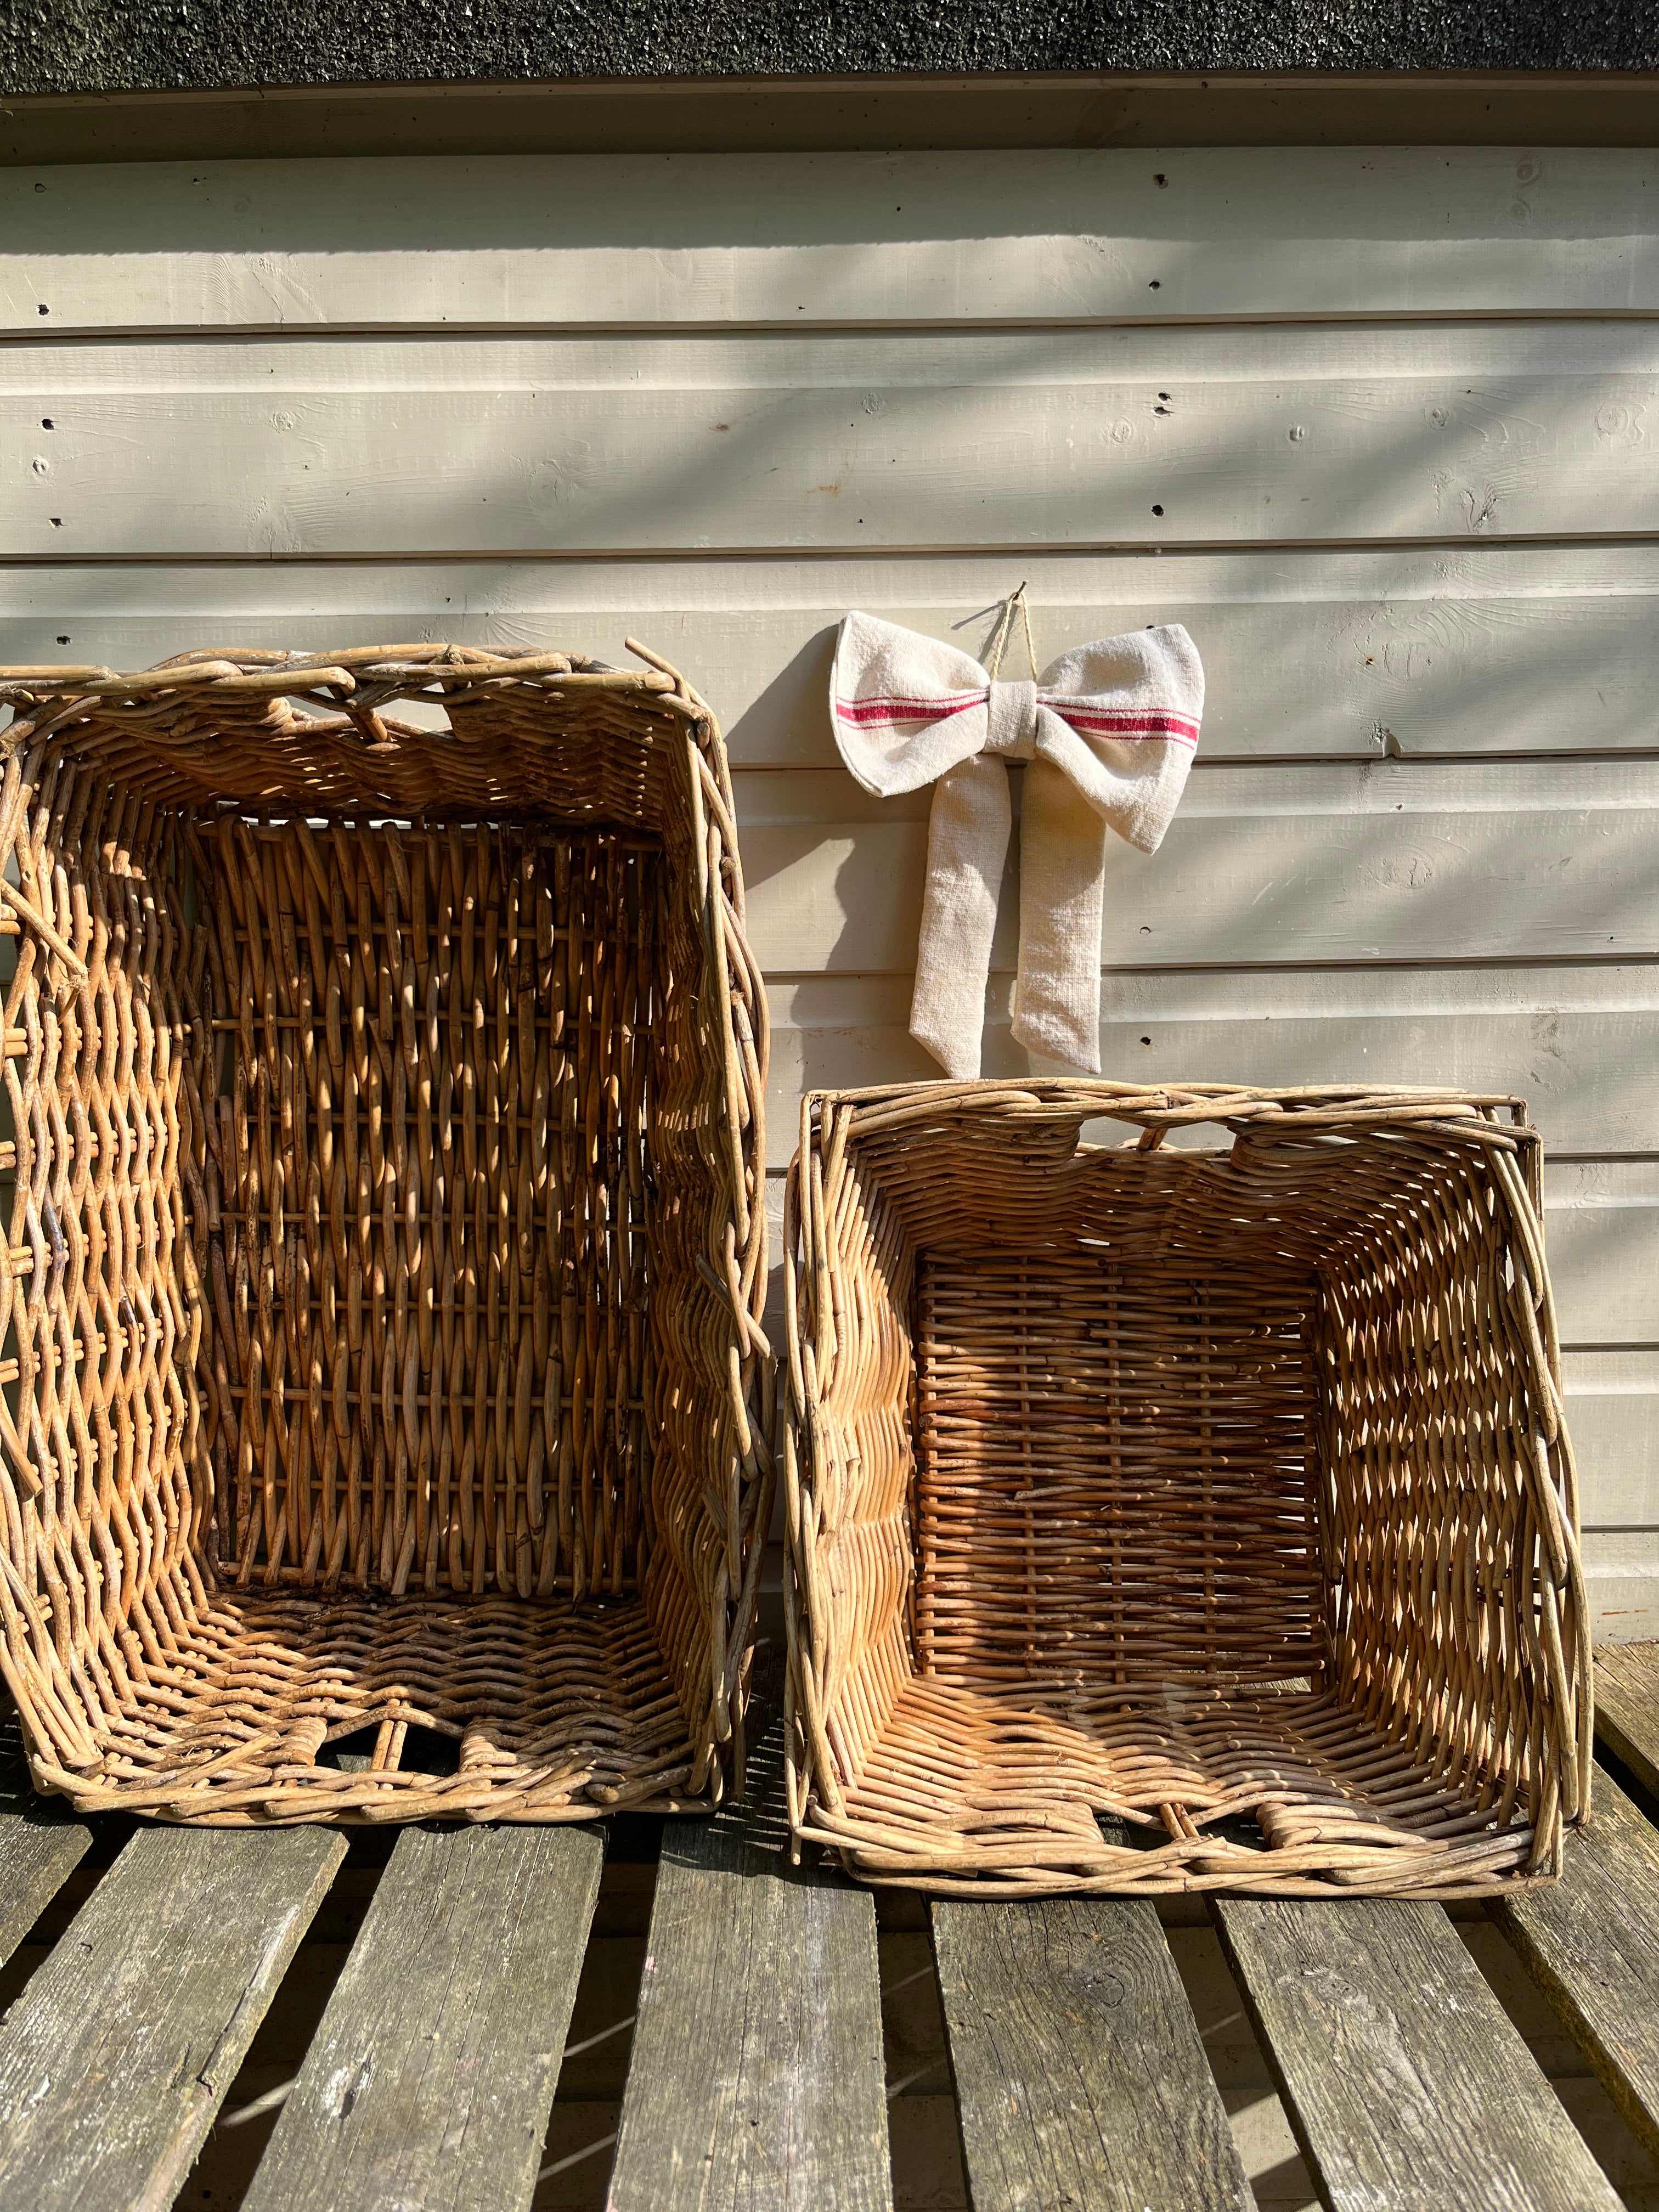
(1132,718)
(887,719)
(892,712)
(1139,726)
(903,710)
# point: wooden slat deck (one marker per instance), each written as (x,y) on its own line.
(1592,1944)
(1627,1708)
(118,2054)
(39,1849)
(432,2073)
(1082,2077)
(1407,2084)
(1064,2034)
(757,2078)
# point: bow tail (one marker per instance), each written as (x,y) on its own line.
(1062,851)
(968,834)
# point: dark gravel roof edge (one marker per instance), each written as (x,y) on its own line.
(66,47)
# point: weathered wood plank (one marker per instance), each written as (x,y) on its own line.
(832,441)
(119,2051)
(430,2078)
(756,2084)
(1492,648)
(1592,1944)
(1325,230)
(1407,2082)
(41,1846)
(1627,1707)
(1080,2074)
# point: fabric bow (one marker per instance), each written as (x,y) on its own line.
(1108,731)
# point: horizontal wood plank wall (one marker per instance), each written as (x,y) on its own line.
(1382,427)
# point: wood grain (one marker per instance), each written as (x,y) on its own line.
(430,2078)
(119,2050)
(1080,2074)
(1591,1942)
(1268,435)
(1627,1708)
(1406,2082)
(1487,649)
(1364,230)
(756,2079)
(39,1847)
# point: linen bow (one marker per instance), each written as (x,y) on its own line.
(1108,731)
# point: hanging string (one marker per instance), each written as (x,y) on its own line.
(1005,630)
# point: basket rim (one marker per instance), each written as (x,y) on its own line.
(1155,1108)
(249,671)
(328,696)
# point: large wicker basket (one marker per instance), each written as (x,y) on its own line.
(1170,1518)
(384,1061)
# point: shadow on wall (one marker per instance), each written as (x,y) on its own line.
(1474,884)
(1090,207)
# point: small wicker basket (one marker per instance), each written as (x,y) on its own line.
(384,1061)
(1162,1518)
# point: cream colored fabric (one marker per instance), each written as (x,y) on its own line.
(1108,731)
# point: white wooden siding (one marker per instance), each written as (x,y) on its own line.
(1246,233)
(1400,411)
(1468,647)
(1292,434)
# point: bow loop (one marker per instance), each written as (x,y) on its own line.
(1113,725)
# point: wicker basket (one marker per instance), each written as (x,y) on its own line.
(384,1061)
(1162,1518)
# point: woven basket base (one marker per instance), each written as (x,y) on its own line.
(560,1713)
(960,1780)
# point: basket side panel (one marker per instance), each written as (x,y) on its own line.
(104,1476)
(851,1541)
(425,1173)
(711,1489)
(1457,1613)
(1113,1480)
(687,1575)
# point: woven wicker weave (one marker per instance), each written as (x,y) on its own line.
(1162,1518)
(386,1240)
